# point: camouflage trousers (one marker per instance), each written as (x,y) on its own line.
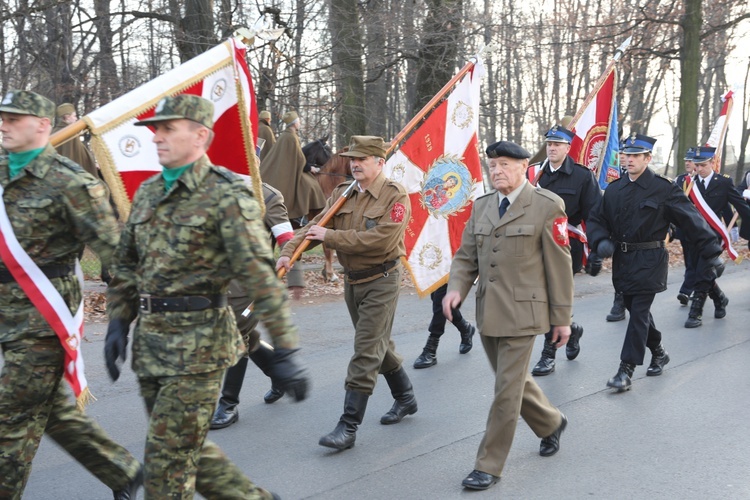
(33,400)
(179,460)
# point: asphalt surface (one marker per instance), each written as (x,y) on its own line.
(682,435)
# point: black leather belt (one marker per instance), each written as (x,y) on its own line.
(151,304)
(53,271)
(373,271)
(646,245)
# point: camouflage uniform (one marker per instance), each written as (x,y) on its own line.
(54,207)
(192,241)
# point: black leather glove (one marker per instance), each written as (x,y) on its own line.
(593,264)
(115,346)
(605,248)
(288,373)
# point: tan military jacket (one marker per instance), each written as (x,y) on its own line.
(78,152)
(368,230)
(192,241)
(55,207)
(523,263)
(265,132)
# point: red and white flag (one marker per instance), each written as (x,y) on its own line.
(126,153)
(713,220)
(719,132)
(440,168)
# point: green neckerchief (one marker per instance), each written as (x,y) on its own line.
(172,174)
(16,161)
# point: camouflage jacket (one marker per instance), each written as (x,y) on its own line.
(55,207)
(192,241)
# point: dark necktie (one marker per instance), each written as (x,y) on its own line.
(703,184)
(504,206)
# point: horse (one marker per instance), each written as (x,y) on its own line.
(335,171)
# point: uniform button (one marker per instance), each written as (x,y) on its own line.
(519,230)
(493,265)
(492,280)
(533,295)
(494,250)
(497,235)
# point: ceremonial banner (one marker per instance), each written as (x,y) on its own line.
(125,152)
(440,168)
(719,132)
(596,144)
(713,220)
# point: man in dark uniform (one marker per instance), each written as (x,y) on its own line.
(54,207)
(631,222)
(617,312)
(278,225)
(368,236)
(192,228)
(717,190)
(516,243)
(578,188)
(681,182)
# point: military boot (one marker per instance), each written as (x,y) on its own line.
(467,331)
(428,357)
(720,301)
(573,347)
(263,359)
(403,393)
(621,381)
(659,358)
(226,412)
(695,316)
(546,364)
(617,313)
(345,433)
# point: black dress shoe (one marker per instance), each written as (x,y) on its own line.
(544,366)
(479,480)
(683,298)
(551,444)
(466,340)
(573,347)
(224,416)
(131,489)
(273,395)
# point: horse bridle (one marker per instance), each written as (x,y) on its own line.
(330,174)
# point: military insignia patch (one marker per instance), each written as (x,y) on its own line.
(397,212)
(560,231)
(447,187)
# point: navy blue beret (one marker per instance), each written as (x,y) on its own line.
(507,149)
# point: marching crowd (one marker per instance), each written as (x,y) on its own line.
(191,273)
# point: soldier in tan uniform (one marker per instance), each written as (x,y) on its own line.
(65,114)
(516,242)
(368,235)
(265,132)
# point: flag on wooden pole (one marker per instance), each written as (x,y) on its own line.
(719,132)
(125,152)
(440,168)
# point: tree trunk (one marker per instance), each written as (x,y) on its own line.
(109,83)
(690,63)
(375,88)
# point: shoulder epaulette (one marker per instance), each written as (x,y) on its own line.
(69,163)
(727,176)
(226,173)
(547,193)
(485,195)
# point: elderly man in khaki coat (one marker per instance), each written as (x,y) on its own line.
(516,242)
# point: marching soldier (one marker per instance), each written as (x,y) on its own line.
(631,222)
(578,188)
(265,132)
(192,229)
(717,190)
(368,236)
(681,182)
(52,208)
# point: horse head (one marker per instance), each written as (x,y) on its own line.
(318,152)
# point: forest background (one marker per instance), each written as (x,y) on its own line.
(367,66)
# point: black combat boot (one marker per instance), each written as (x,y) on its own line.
(403,393)
(263,359)
(130,490)
(695,316)
(659,358)
(546,364)
(621,380)
(618,308)
(345,433)
(467,331)
(684,298)
(720,301)
(573,347)
(428,357)
(226,412)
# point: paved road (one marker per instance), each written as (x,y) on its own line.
(682,435)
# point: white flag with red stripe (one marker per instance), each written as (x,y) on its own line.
(126,153)
(713,220)
(719,132)
(440,168)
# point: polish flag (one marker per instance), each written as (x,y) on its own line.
(719,132)
(126,153)
(440,168)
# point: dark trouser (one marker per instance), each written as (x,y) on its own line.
(34,400)
(179,460)
(437,324)
(641,332)
(576,254)
(690,256)
(372,306)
